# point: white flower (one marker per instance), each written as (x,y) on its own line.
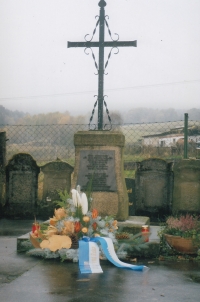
(84,203)
(76,198)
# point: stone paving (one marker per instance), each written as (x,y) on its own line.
(24,278)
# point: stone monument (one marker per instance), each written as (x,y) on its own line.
(154,186)
(186,194)
(21,186)
(99,154)
(57,176)
(99,163)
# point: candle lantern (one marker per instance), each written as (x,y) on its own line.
(35,228)
(145,233)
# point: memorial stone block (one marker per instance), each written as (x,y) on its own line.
(22,185)
(154,182)
(186,194)
(57,176)
(99,163)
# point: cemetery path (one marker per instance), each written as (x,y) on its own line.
(24,278)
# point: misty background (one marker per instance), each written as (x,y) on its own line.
(41,79)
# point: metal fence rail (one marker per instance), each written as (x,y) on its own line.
(49,142)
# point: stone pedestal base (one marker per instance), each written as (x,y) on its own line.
(99,164)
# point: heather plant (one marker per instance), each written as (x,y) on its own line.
(184,226)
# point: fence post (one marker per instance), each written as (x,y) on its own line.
(185,135)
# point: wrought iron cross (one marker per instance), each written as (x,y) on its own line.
(101,44)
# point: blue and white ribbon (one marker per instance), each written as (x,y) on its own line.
(89,255)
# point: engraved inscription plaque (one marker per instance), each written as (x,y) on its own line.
(97,167)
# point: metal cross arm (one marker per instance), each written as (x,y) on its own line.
(89,44)
(101,44)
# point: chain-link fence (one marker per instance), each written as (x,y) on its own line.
(162,140)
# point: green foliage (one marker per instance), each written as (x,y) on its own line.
(89,191)
(79,214)
(64,195)
(43,227)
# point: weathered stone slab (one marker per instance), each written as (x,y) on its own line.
(186,194)
(154,183)
(22,185)
(101,152)
(57,176)
(2,170)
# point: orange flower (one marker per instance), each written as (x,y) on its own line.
(53,221)
(77,226)
(94,213)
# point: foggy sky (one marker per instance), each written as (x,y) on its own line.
(38,73)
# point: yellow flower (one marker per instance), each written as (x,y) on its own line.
(84,230)
(69,228)
(114,224)
(86,218)
(56,242)
(50,231)
(60,213)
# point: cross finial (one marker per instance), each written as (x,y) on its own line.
(102,3)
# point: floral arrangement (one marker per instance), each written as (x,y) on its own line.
(71,222)
(186,226)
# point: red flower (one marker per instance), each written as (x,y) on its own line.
(77,226)
(94,225)
(35,228)
(94,213)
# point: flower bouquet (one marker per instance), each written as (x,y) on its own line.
(71,222)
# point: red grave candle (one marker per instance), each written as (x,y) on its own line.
(145,233)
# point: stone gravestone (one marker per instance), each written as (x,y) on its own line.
(21,186)
(99,164)
(154,182)
(2,170)
(186,194)
(57,176)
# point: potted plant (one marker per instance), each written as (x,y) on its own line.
(183,233)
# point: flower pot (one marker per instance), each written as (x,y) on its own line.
(180,244)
